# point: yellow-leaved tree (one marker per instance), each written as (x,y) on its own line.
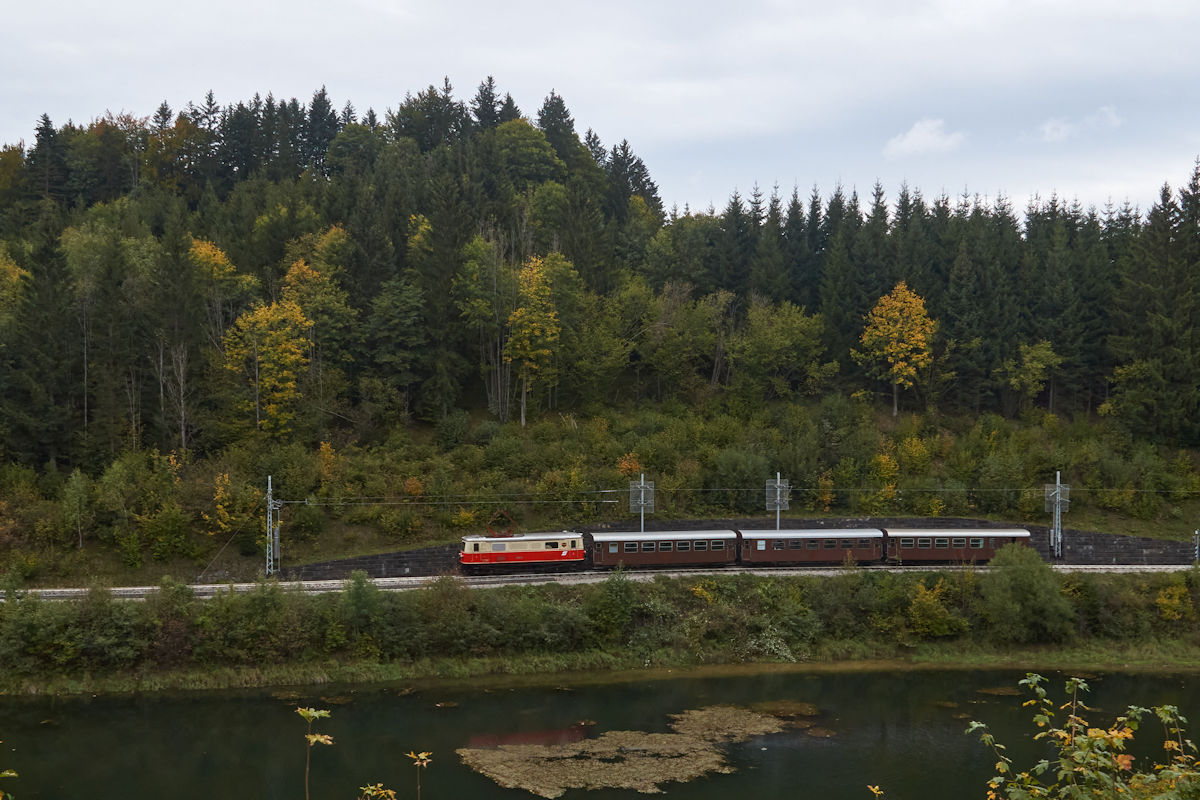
(224,289)
(12,283)
(898,340)
(267,349)
(534,329)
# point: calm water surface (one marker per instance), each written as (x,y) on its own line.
(895,729)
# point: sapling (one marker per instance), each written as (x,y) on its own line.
(420,761)
(311,714)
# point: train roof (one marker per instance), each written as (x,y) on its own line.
(521,537)
(1019,533)
(665,536)
(816,533)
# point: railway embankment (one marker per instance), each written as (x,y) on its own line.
(1079,547)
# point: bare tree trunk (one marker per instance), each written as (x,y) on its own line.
(133,399)
(895,399)
(178,390)
(524,394)
(257,417)
(86,323)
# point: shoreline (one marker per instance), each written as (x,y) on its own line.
(597,667)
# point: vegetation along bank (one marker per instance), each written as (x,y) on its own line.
(1020,611)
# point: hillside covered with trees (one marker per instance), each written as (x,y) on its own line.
(417,315)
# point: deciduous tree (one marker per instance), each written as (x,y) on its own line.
(535,328)
(266,349)
(898,340)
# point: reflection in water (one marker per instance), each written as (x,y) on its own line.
(898,730)
(572,733)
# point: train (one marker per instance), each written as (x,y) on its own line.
(572,550)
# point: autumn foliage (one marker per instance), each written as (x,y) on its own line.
(898,340)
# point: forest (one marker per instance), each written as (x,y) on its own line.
(459,301)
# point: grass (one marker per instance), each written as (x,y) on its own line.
(609,666)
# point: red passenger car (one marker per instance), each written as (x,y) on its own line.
(528,550)
(664,548)
(818,546)
(947,545)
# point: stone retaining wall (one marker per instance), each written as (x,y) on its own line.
(440,560)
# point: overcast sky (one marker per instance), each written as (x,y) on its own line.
(1093,100)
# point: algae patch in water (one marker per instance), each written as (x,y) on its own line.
(788,709)
(624,759)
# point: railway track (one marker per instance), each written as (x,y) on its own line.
(209,590)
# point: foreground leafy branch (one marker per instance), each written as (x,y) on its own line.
(7,773)
(1091,762)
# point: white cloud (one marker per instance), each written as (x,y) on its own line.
(925,137)
(1060,129)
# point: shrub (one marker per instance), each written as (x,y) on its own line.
(928,614)
(451,430)
(307,522)
(609,607)
(1022,600)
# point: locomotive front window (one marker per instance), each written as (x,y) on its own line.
(683,547)
(647,547)
(631,547)
(976,543)
(924,544)
(909,543)
(958,542)
(698,546)
(941,543)
(779,544)
(665,547)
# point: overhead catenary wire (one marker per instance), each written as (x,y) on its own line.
(586,495)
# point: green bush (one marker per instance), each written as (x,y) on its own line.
(1022,600)
(306,523)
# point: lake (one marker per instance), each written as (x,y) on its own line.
(902,730)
